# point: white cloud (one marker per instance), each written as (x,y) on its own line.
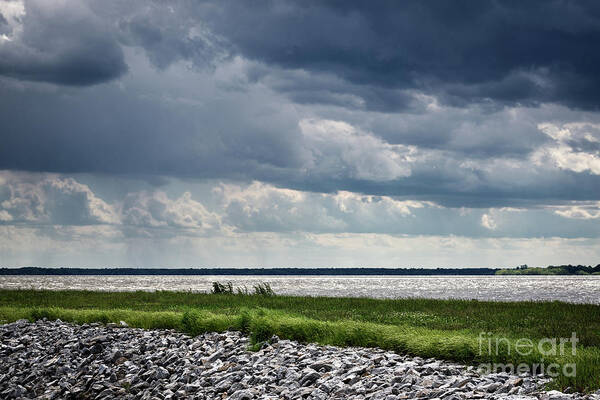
(69,195)
(356,203)
(556,132)
(13,13)
(51,199)
(562,153)
(5,216)
(338,149)
(488,222)
(589,210)
(156,210)
(262,207)
(565,158)
(25,201)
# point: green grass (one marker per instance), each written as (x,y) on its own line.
(446,329)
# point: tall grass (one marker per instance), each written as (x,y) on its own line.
(220,288)
(516,319)
(260,289)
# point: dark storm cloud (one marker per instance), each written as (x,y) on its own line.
(107,130)
(464,52)
(468,51)
(315,87)
(350,67)
(64,44)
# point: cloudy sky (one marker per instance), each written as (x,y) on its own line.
(299,133)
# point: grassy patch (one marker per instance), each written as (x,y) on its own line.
(445,329)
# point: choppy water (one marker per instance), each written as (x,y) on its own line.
(577,289)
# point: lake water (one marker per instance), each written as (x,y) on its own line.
(577,289)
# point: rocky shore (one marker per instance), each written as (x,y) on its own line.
(57,360)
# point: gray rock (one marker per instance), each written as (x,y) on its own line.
(161,373)
(56,360)
(242,395)
(309,377)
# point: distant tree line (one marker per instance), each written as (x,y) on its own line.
(520,270)
(246,271)
(552,270)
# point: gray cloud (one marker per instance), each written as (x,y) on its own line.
(317,124)
(62,43)
(169,33)
(185,123)
(4,26)
(462,53)
(465,52)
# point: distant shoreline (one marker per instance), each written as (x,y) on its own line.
(523,270)
(246,271)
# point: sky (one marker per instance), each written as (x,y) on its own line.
(305,133)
